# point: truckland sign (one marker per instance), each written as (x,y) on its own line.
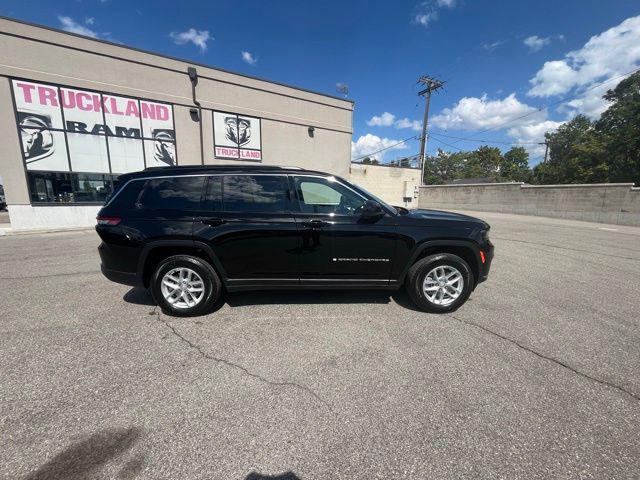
(66,129)
(237,137)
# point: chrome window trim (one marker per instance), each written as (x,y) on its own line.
(282,174)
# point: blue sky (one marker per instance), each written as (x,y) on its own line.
(513,70)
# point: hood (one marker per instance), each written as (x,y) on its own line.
(441,215)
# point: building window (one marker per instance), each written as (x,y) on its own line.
(57,187)
(75,142)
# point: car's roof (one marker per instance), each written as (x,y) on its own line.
(208,169)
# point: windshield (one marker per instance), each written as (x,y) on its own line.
(371,195)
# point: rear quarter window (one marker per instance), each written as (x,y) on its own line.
(126,196)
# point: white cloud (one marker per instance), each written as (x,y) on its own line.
(605,56)
(389,119)
(70,25)
(490,47)
(415,125)
(536,43)
(248,58)
(427,11)
(533,133)
(425,18)
(384,120)
(89,20)
(367,144)
(198,37)
(472,113)
(526,124)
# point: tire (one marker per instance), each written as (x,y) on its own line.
(179,274)
(448,264)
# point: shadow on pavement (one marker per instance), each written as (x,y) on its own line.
(140,296)
(283,476)
(85,458)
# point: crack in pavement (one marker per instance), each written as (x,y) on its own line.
(228,363)
(551,359)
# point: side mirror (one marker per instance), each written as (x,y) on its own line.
(372,209)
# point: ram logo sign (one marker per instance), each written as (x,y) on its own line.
(237,137)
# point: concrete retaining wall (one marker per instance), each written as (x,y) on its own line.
(616,203)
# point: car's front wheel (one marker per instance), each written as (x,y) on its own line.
(185,286)
(440,283)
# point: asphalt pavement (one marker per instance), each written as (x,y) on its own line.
(537,376)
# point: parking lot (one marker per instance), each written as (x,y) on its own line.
(537,376)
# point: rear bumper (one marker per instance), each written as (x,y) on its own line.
(113,267)
(125,278)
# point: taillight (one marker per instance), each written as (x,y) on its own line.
(108,220)
(482,257)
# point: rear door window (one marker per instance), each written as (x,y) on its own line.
(255,193)
(177,193)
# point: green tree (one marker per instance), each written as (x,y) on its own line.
(514,166)
(443,167)
(483,162)
(576,155)
(619,130)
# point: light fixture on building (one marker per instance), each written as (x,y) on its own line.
(311,130)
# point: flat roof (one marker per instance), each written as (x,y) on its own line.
(169,57)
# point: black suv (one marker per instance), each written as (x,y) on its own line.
(189,233)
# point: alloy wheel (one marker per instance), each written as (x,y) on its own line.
(443,285)
(182,288)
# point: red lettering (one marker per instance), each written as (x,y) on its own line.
(26,91)
(132,109)
(104,104)
(85,105)
(48,96)
(162,112)
(69,101)
(148,111)
(114,107)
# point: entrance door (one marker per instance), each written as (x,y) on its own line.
(338,245)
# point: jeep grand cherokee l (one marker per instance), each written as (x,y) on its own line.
(191,233)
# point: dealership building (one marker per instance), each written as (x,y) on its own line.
(77,112)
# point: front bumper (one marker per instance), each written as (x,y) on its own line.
(487,249)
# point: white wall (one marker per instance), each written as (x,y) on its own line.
(388,183)
(25,217)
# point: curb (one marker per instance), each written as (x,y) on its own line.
(7,232)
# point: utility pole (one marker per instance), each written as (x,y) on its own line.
(431,84)
(546,150)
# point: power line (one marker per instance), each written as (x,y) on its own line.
(485,141)
(551,104)
(414,137)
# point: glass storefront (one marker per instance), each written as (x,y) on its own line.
(76,142)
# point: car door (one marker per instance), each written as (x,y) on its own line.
(248,223)
(338,245)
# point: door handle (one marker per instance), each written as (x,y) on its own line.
(315,224)
(213,222)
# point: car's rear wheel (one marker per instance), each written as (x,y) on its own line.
(185,286)
(440,283)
